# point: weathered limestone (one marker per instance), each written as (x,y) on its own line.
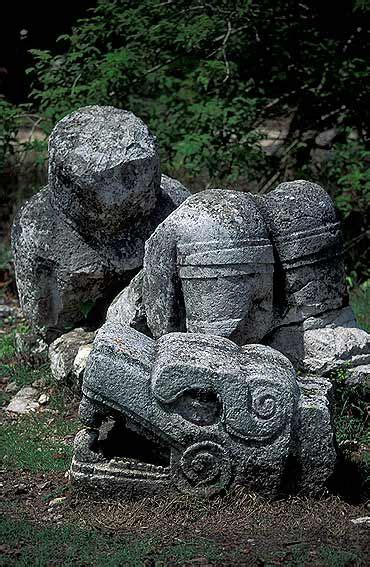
(224,266)
(24,401)
(127,308)
(208,414)
(62,355)
(360,375)
(191,384)
(81,239)
(306,234)
(321,345)
(314,451)
(313,325)
(208,268)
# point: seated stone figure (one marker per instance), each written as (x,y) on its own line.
(198,413)
(208,268)
(313,323)
(80,240)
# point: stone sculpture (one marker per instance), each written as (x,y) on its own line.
(182,368)
(192,382)
(81,239)
(314,325)
(207,269)
(199,413)
(292,298)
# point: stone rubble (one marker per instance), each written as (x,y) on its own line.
(25,401)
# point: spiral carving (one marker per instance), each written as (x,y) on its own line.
(265,405)
(204,468)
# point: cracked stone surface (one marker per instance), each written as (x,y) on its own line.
(81,239)
(223,415)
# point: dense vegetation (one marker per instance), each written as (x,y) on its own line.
(209,76)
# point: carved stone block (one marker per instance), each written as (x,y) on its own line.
(191,411)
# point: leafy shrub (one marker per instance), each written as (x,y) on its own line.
(9,124)
(206,76)
(350,409)
(347,176)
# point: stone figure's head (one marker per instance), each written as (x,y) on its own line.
(208,268)
(309,271)
(103,170)
(190,411)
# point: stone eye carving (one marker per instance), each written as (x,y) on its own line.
(265,405)
(221,270)
(199,406)
(204,468)
(214,407)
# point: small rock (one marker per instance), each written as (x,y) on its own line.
(57,501)
(362,521)
(320,156)
(24,401)
(5,311)
(80,361)
(326,138)
(359,375)
(11,388)
(43,399)
(62,353)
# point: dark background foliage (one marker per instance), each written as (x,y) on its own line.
(215,81)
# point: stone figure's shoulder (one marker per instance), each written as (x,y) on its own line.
(39,227)
(174,190)
(34,209)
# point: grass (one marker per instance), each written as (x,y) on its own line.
(7,346)
(301,554)
(71,546)
(37,443)
(350,409)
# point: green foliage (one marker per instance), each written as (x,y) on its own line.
(360,302)
(6,267)
(350,409)
(300,554)
(350,171)
(7,346)
(204,75)
(12,151)
(9,124)
(347,176)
